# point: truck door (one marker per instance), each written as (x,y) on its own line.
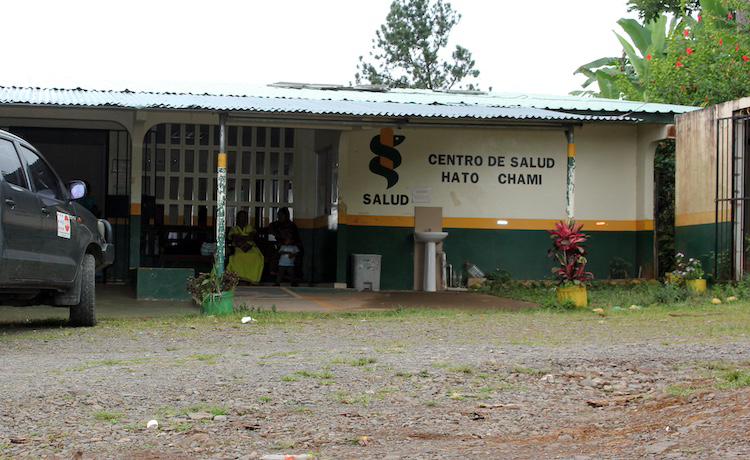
(20,220)
(59,241)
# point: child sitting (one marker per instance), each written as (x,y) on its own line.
(287,255)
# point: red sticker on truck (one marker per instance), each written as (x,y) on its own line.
(63,225)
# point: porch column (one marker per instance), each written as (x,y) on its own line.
(221,195)
(571,181)
(136,180)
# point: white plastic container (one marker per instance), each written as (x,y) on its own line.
(366,272)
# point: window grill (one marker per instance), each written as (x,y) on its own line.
(179,171)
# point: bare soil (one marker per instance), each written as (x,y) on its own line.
(382,385)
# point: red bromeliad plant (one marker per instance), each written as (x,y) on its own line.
(569,252)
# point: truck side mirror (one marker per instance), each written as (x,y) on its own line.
(77,189)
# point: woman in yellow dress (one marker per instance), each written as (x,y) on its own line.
(247,260)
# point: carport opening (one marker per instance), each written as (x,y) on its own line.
(99,157)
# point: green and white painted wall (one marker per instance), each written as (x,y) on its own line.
(500,189)
(696,186)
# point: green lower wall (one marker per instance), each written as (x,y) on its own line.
(163,283)
(699,241)
(395,244)
(521,252)
(644,253)
(695,240)
(319,263)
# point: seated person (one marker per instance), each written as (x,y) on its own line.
(284,225)
(247,260)
(287,254)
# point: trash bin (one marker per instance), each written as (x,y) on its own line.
(366,272)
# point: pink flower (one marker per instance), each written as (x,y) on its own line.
(649,57)
(721,42)
(700,18)
(730,16)
(689,51)
(745,58)
(679,64)
(686,32)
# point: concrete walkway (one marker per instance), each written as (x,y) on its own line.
(119,302)
(112,302)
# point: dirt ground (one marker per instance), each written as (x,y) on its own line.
(407,384)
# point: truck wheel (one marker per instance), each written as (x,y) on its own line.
(83,313)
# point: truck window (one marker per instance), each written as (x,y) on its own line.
(10,164)
(44,180)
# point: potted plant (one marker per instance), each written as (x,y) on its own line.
(214,293)
(568,251)
(691,272)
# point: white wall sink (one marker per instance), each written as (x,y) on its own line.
(430,237)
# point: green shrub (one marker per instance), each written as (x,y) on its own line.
(554,305)
(619,268)
(499,276)
(669,294)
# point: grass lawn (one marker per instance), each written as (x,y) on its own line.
(615,295)
(663,314)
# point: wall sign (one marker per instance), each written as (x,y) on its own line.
(500,162)
(421,195)
(472,172)
(499,174)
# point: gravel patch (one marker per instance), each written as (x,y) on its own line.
(417,386)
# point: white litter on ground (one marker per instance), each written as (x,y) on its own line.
(248,319)
(152,424)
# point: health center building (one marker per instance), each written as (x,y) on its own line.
(361,169)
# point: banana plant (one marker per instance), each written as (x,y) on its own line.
(644,42)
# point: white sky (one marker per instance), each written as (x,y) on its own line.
(228,46)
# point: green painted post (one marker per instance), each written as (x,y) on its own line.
(571,175)
(221,195)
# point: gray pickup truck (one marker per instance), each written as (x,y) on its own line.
(50,245)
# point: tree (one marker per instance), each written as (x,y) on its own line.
(695,61)
(407,49)
(706,63)
(623,76)
(648,10)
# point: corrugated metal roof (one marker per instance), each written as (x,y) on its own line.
(349,102)
(491,99)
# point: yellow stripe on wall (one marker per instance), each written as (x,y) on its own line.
(484,223)
(377,221)
(700,218)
